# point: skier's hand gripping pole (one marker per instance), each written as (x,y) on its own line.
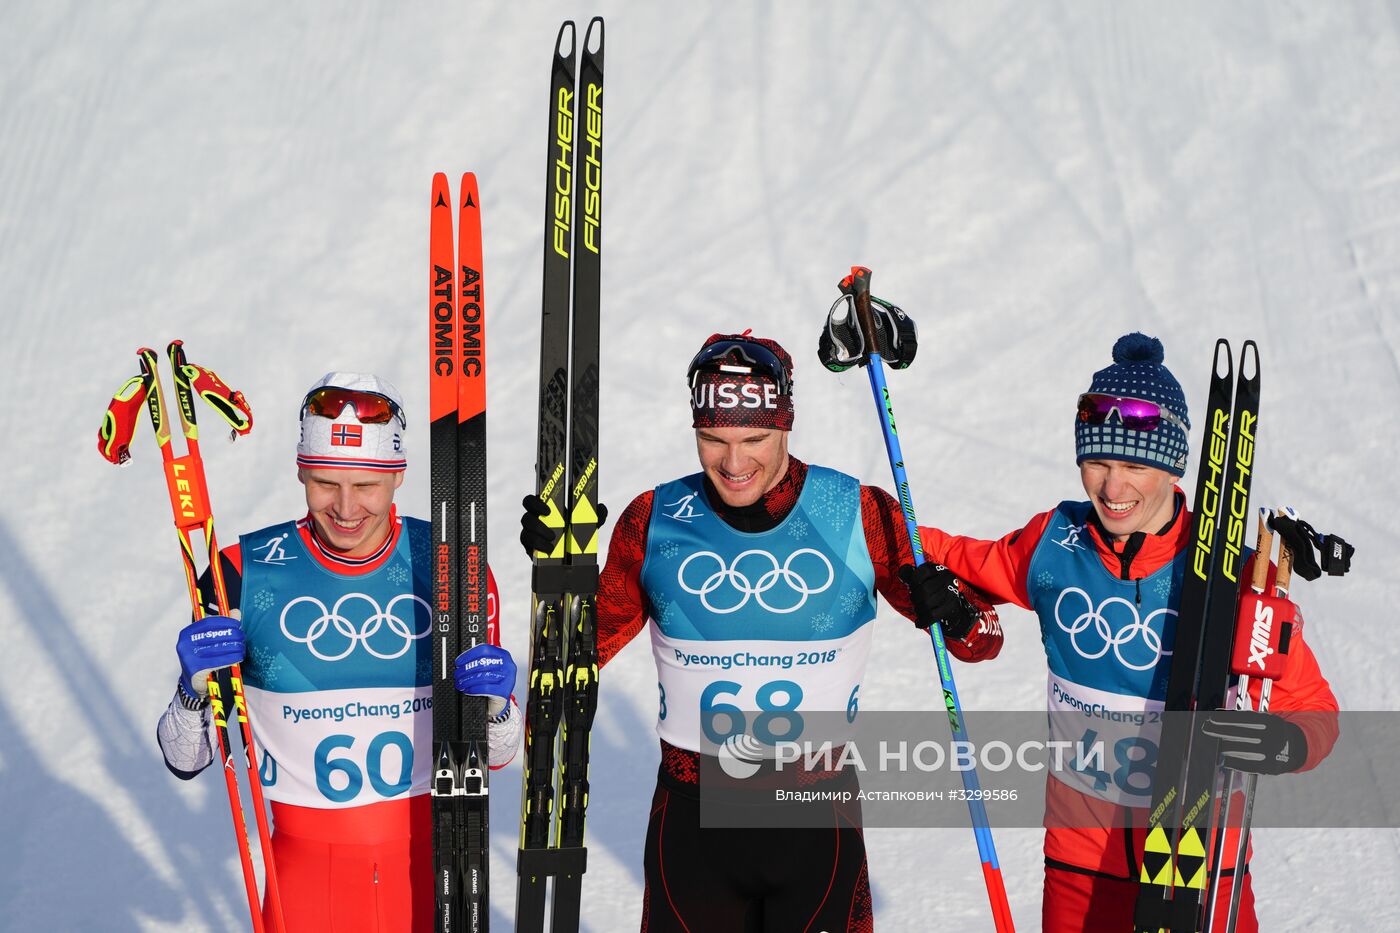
(856,291)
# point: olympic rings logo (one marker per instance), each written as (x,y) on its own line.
(748,589)
(358,634)
(1137,629)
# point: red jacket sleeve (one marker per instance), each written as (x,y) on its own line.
(888,544)
(1304,697)
(231,563)
(1302,694)
(997,568)
(493,609)
(622,606)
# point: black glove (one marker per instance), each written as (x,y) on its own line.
(841,344)
(937,597)
(1301,538)
(534,536)
(1258,743)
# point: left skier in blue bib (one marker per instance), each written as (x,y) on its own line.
(337,673)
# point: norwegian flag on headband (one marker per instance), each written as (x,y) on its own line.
(346,435)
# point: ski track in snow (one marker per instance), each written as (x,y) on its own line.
(1029,181)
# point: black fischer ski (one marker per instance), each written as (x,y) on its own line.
(1158,864)
(581,636)
(546,639)
(1201,785)
(563,691)
(1174,864)
(457,401)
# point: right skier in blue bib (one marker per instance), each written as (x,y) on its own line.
(1104,576)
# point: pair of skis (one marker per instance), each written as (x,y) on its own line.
(457,403)
(563,691)
(1174,875)
(189,502)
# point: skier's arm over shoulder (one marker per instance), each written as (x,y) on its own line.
(997,568)
(887,541)
(622,605)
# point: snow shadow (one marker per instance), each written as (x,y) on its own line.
(70,853)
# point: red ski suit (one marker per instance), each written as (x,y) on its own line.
(1091,852)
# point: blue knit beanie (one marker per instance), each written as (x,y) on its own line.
(1137,372)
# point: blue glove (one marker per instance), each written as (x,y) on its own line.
(212,643)
(489,671)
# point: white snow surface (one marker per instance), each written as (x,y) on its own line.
(1028,180)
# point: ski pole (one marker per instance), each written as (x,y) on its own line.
(857,286)
(189,499)
(234,410)
(1263,548)
(1258,583)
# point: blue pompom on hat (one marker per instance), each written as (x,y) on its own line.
(1137,372)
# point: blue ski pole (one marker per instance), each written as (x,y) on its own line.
(857,285)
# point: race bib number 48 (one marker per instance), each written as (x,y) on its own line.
(1114,740)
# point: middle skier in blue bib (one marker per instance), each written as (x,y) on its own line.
(759,575)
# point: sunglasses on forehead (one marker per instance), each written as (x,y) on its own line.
(370,407)
(743,357)
(1135,414)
